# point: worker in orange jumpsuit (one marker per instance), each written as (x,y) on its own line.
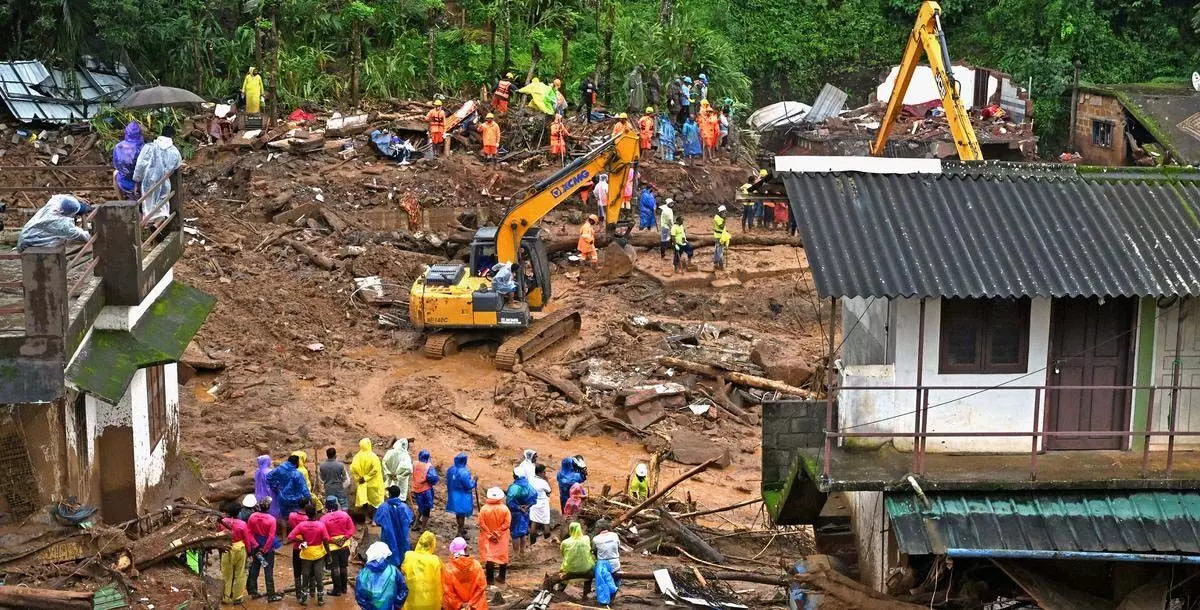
(622,125)
(494,537)
(646,127)
(502,93)
(437,126)
(710,129)
(558,139)
(491,137)
(463,582)
(587,240)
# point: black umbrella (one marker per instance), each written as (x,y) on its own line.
(161,97)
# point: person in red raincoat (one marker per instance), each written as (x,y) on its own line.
(464,586)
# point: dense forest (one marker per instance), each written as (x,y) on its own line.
(754,51)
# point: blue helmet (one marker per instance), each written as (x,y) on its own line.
(703,77)
(687,79)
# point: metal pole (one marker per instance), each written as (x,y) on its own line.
(1176,370)
(1033,442)
(917,424)
(1146,438)
(924,428)
(829,384)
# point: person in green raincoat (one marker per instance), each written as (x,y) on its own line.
(577,557)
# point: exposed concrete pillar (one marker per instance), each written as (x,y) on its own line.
(44,277)
(119,247)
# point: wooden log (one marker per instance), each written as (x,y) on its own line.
(277,204)
(485,440)
(650,240)
(44,599)
(334,221)
(233,488)
(656,496)
(753,381)
(713,511)
(688,539)
(315,257)
(566,386)
(573,424)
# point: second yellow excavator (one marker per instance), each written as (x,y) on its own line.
(459,301)
(927,35)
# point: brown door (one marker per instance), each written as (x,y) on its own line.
(1090,346)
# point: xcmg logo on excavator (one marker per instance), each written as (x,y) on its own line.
(565,187)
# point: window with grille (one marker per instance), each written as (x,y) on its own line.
(984,336)
(156,392)
(1102,133)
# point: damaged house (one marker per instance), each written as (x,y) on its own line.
(1136,124)
(89,396)
(1001,114)
(1015,408)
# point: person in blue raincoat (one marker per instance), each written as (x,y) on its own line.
(124,159)
(666,137)
(691,139)
(424,478)
(520,497)
(568,475)
(380,584)
(394,519)
(288,486)
(647,209)
(460,492)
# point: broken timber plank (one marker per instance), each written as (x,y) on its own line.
(566,386)
(753,381)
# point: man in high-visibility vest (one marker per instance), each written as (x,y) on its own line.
(502,93)
(719,231)
(558,141)
(682,247)
(437,126)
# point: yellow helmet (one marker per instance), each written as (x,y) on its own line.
(492,116)
(762,173)
(437,102)
(593,218)
(622,116)
(509,75)
(649,109)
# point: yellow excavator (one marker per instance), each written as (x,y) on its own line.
(927,35)
(459,302)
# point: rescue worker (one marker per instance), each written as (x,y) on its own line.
(680,243)
(622,125)
(569,474)
(747,209)
(124,158)
(539,513)
(702,87)
(423,572)
(495,523)
(520,498)
(673,92)
(289,487)
(685,100)
(558,139)
(425,476)
(502,281)
(261,527)
(601,194)
(491,137)
(646,127)
(464,586)
(577,557)
(312,539)
(755,186)
(781,216)
(303,468)
(233,561)
(252,90)
(294,519)
(723,242)
(394,519)
(654,87)
(380,585)
(368,474)
(718,227)
(639,483)
(460,488)
(437,126)
(341,534)
(635,89)
(502,93)
(607,547)
(710,129)
(262,490)
(398,467)
(666,138)
(587,240)
(560,100)
(666,220)
(647,205)
(587,97)
(155,162)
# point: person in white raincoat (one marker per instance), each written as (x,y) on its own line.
(54,224)
(526,467)
(157,159)
(397,467)
(539,513)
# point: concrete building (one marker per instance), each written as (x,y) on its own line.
(1136,124)
(89,395)
(1016,371)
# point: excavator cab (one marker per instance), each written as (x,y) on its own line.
(531,270)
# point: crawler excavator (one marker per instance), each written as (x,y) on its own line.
(458,302)
(927,35)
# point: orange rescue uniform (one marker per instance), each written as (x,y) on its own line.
(621,127)
(500,97)
(558,138)
(646,129)
(491,137)
(437,125)
(587,242)
(710,129)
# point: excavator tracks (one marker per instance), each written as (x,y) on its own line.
(538,336)
(441,344)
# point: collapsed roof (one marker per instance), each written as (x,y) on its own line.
(35,93)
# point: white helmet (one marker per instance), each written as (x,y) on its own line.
(720,208)
(641,470)
(668,202)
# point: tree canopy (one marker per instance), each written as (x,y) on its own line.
(755,51)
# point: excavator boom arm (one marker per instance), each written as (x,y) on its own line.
(618,156)
(927,36)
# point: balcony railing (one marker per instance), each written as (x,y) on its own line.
(1038,434)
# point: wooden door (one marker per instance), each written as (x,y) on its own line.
(1090,345)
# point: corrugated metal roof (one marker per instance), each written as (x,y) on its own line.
(998,232)
(1112,522)
(829,103)
(33,92)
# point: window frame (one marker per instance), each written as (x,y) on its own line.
(1103,123)
(156,403)
(982,315)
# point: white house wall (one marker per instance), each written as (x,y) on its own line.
(1188,402)
(869,522)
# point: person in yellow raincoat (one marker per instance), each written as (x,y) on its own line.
(252,89)
(587,240)
(423,573)
(303,468)
(577,557)
(368,474)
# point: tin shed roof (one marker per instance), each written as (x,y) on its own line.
(999,230)
(34,92)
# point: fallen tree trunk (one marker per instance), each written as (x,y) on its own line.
(650,240)
(315,257)
(215,540)
(233,488)
(695,545)
(566,386)
(753,381)
(722,509)
(44,599)
(629,514)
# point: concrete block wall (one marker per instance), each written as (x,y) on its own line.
(788,425)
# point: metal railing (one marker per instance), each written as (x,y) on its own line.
(920,433)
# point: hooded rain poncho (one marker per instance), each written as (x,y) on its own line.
(666,138)
(394,519)
(520,498)
(460,486)
(576,552)
(423,572)
(156,160)
(380,584)
(647,206)
(53,224)
(425,477)
(606,582)
(691,139)
(368,474)
(495,520)
(288,487)
(125,156)
(398,467)
(567,476)
(303,457)
(463,583)
(635,86)
(261,488)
